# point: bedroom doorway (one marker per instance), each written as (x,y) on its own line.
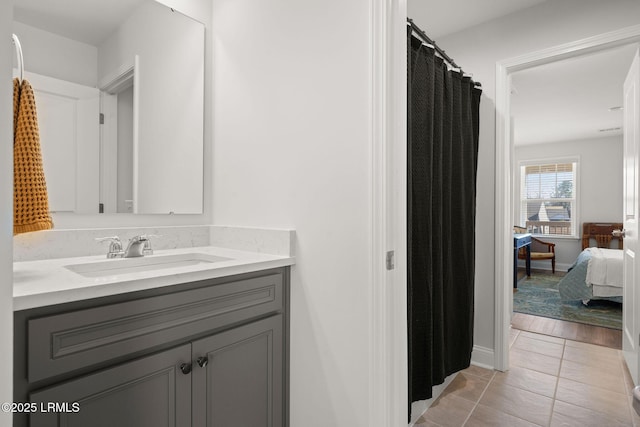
(566,174)
(505,157)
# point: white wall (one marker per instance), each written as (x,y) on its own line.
(599,180)
(6,210)
(55,56)
(292,149)
(477,50)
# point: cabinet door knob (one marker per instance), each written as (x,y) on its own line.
(202,361)
(185,368)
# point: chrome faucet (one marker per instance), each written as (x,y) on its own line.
(138,246)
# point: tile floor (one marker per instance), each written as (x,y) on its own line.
(551,382)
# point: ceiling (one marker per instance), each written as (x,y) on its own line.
(439,18)
(88,21)
(561,101)
(570,99)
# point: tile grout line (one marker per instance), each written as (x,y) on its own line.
(475,405)
(586,384)
(555,390)
(488,384)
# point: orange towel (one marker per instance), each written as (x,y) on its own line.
(30,200)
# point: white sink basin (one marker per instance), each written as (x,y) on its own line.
(117,266)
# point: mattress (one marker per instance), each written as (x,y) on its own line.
(574,286)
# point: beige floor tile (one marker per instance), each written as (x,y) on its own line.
(634,415)
(566,414)
(513,334)
(628,381)
(537,346)
(592,347)
(541,337)
(603,361)
(594,398)
(479,372)
(523,404)
(537,362)
(466,386)
(449,410)
(484,416)
(588,375)
(527,379)
(422,422)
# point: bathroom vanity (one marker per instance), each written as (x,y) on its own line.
(178,349)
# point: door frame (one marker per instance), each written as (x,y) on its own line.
(504,171)
(388,363)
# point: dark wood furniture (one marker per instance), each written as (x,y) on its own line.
(600,234)
(149,358)
(521,242)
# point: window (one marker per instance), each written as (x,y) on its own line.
(548,202)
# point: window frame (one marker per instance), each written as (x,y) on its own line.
(575,214)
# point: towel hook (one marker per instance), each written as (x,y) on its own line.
(18,46)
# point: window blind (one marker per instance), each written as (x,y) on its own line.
(548,198)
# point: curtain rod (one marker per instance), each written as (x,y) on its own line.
(426,39)
(442,53)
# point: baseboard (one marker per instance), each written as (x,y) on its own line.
(545,265)
(482,357)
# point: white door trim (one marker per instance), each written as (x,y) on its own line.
(388,369)
(503,159)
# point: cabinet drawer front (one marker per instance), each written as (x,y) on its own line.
(74,340)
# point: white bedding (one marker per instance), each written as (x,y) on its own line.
(604,272)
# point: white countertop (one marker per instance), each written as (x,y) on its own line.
(48,282)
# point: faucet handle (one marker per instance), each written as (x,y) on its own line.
(147,249)
(115,247)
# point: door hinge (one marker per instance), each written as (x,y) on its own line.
(101,118)
(390,260)
(100,207)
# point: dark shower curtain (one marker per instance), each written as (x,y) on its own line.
(442,154)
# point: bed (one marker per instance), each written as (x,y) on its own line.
(597,272)
(602,282)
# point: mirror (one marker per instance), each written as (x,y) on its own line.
(119,89)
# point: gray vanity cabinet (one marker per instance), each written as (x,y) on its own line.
(243,383)
(212,353)
(149,392)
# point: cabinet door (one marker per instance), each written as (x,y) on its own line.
(147,392)
(242,381)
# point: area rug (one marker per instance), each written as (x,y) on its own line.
(538,295)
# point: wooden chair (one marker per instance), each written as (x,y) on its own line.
(540,250)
